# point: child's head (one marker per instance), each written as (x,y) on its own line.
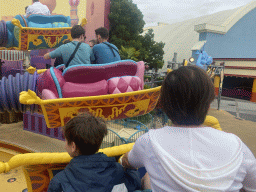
(92,42)
(84,134)
(186,95)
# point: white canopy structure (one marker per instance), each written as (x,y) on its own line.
(182,37)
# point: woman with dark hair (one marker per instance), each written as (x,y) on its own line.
(189,156)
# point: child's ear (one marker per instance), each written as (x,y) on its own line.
(73,147)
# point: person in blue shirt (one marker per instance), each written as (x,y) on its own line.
(104,52)
(89,170)
(84,54)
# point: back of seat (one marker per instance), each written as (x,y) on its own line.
(91,73)
(46,81)
(44,19)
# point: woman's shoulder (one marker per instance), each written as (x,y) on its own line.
(145,138)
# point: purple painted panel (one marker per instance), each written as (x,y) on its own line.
(40,125)
(11,68)
(33,123)
(25,121)
(39,62)
(36,124)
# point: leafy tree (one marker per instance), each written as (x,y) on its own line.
(126,26)
(129,53)
(154,51)
(126,22)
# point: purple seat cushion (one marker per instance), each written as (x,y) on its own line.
(95,73)
(81,90)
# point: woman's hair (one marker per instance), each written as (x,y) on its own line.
(87,132)
(186,95)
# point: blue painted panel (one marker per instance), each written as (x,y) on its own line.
(42,19)
(238,42)
(202,36)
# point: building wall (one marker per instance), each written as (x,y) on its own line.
(13,7)
(238,42)
(97,16)
(16,7)
(239,67)
(95,11)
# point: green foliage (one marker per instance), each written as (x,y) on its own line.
(126,26)
(147,77)
(154,50)
(129,53)
(126,22)
(146,86)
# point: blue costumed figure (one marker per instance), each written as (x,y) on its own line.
(203,60)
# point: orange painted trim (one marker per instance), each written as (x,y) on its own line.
(216,91)
(14,147)
(253,97)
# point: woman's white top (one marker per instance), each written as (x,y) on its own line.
(194,159)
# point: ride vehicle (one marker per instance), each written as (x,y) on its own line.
(35,32)
(112,91)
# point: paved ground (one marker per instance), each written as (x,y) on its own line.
(238,117)
(241,109)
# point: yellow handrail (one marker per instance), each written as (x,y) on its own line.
(55,158)
(58,158)
(212,122)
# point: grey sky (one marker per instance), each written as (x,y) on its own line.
(171,11)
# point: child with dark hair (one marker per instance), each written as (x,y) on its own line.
(89,170)
(92,42)
(189,156)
